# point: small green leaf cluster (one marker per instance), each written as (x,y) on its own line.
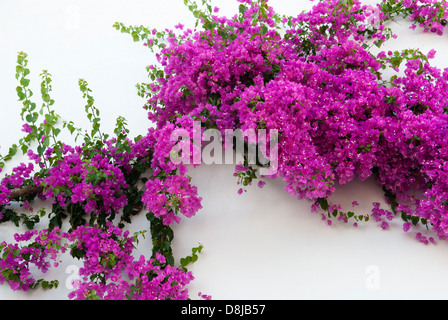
(184,262)
(45,284)
(335,212)
(162,236)
(201,14)
(392,200)
(43,133)
(153,37)
(246,177)
(93,114)
(26,219)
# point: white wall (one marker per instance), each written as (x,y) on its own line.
(263,244)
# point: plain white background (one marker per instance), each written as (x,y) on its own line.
(263,244)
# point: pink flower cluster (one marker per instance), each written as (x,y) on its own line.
(109,270)
(323,90)
(93,181)
(16,259)
(166,198)
(111,273)
(428,14)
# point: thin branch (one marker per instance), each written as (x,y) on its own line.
(24,191)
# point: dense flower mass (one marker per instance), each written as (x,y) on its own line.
(320,86)
(94,182)
(110,272)
(17,259)
(315,78)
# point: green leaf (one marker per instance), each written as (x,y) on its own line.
(242,8)
(19,70)
(30,118)
(5,254)
(21,95)
(24,82)
(379,43)
(46,97)
(24,148)
(12,150)
(323,203)
(415,220)
(263,30)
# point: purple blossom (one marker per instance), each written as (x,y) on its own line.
(26,128)
(170,197)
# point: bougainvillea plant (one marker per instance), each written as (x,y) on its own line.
(319,79)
